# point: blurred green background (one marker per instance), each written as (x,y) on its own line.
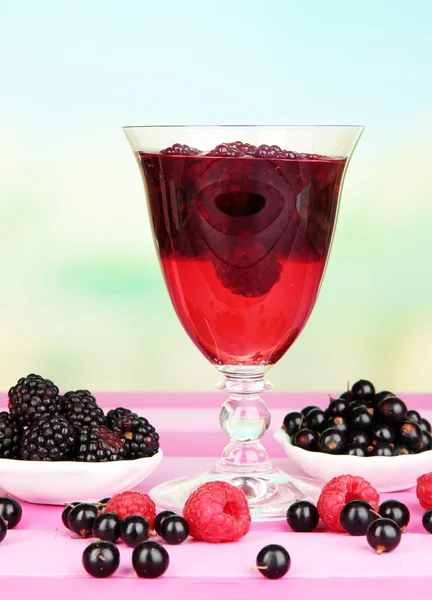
(82,300)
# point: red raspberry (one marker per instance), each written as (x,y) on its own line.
(338,492)
(424,490)
(133,503)
(217,512)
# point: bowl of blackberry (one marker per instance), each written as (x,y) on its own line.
(363,432)
(55,446)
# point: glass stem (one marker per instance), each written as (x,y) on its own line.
(245,418)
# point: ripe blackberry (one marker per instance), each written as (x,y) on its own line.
(141,438)
(10,436)
(81,410)
(49,438)
(33,397)
(99,444)
(115,414)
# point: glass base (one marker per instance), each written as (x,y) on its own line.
(269,494)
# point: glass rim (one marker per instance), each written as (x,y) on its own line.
(257,126)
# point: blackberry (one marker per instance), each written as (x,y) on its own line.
(115,414)
(99,444)
(10,436)
(81,410)
(49,438)
(141,438)
(33,397)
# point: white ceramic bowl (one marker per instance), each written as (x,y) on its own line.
(385,473)
(66,481)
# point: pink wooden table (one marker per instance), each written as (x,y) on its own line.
(39,558)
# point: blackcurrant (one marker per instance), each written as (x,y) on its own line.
(401,450)
(413,415)
(11,511)
(382,449)
(134,530)
(396,511)
(66,511)
(356,516)
(302,516)
(410,434)
(81,519)
(339,423)
(315,419)
(160,517)
(382,433)
(174,530)
(425,425)
(383,535)
(427,521)
(102,504)
(356,450)
(359,437)
(150,560)
(332,441)
(3,529)
(306,439)
(346,395)
(292,422)
(426,441)
(107,527)
(361,417)
(363,389)
(306,410)
(381,396)
(101,559)
(273,561)
(391,410)
(338,408)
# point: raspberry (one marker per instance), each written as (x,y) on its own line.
(338,492)
(217,512)
(251,282)
(265,151)
(133,503)
(226,150)
(181,150)
(424,490)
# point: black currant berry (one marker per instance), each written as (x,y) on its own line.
(81,519)
(391,410)
(160,517)
(11,511)
(410,434)
(359,437)
(356,450)
(315,419)
(107,527)
(338,408)
(382,433)
(383,535)
(306,439)
(3,529)
(273,561)
(397,512)
(302,516)
(66,511)
(427,521)
(361,417)
(356,516)
(425,425)
(101,559)
(306,410)
(363,389)
(150,560)
(413,415)
(426,441)
(292,422)
(381,396)
(134,530)
(174,530)
(339,423)
(332,441)
(401,450)
(382,449)
(102,503)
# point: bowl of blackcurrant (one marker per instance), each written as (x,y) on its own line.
(363,432)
